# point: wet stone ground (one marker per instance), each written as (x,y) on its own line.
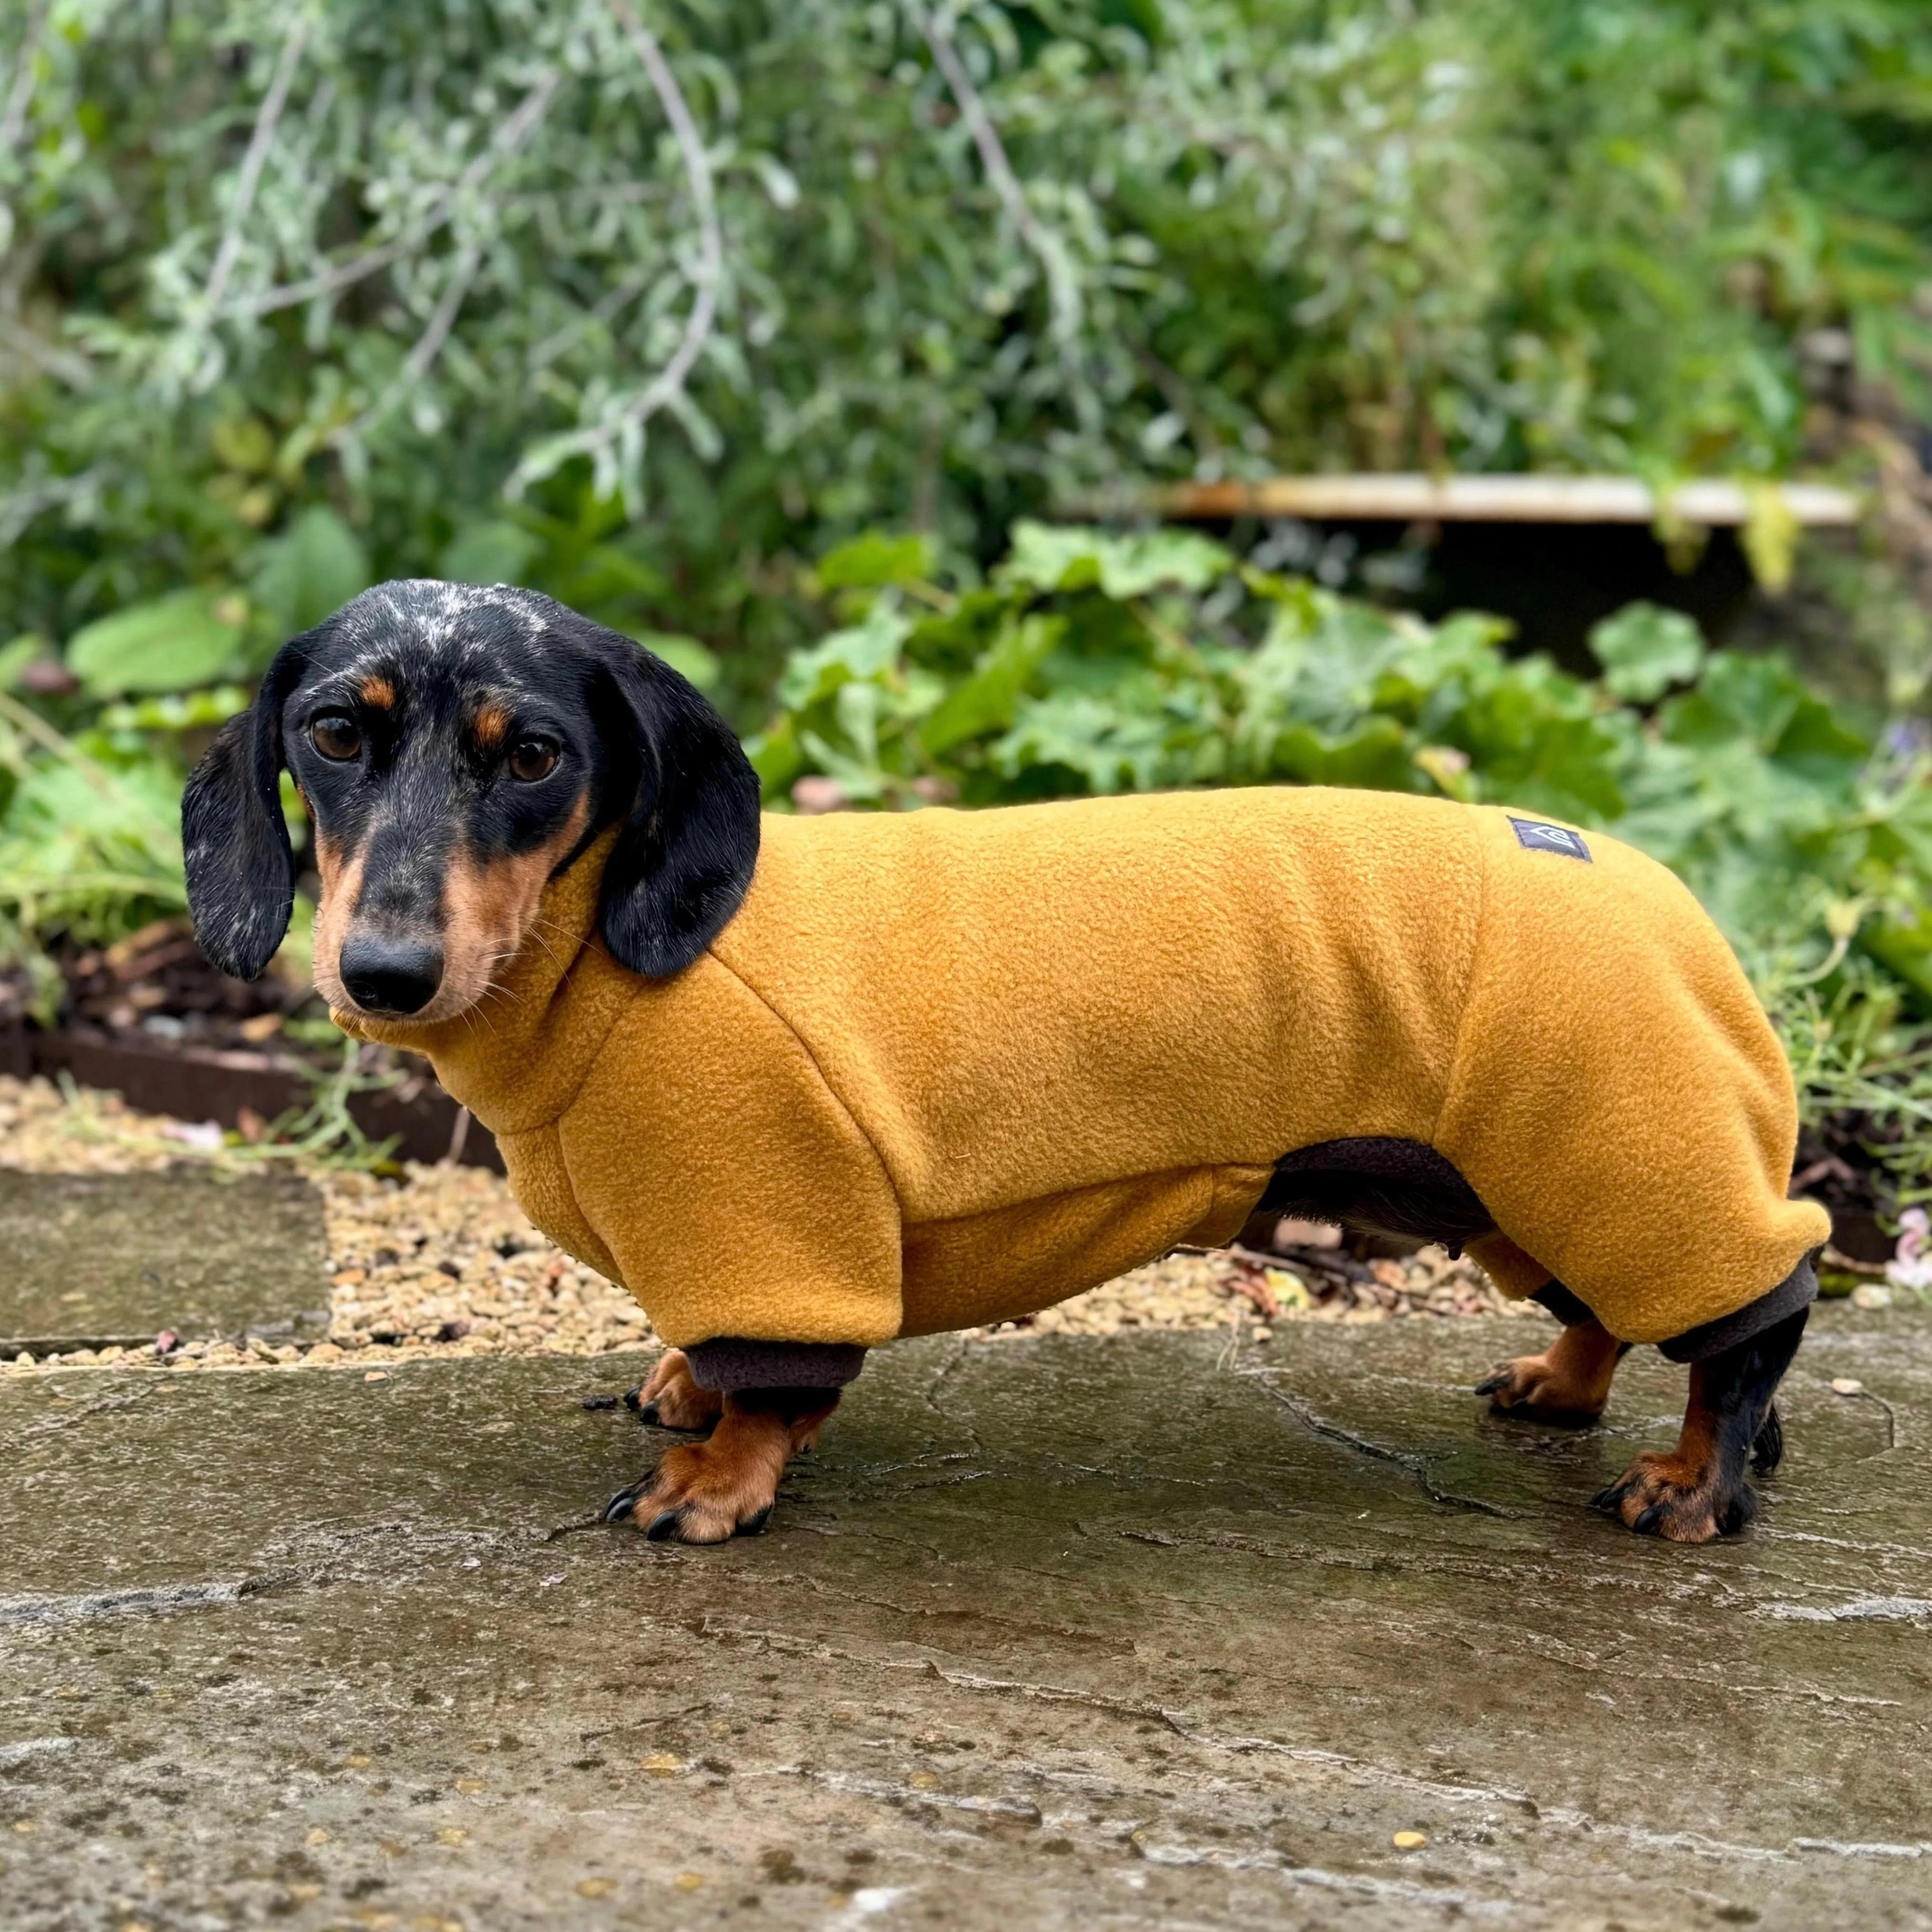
(1070,1632)
(111,1260)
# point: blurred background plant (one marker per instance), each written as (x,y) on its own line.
(769,335)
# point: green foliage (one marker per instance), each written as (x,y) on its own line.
(90,835)
(1095,664)
(175,642)
(1644,650)
(296,296)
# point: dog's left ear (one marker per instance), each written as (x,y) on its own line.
(240,870)
(688,845)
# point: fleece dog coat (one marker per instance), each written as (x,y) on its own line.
(944,1068)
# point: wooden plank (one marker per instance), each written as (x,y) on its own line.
(1416,498)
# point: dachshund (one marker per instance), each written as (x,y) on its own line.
(946,1067)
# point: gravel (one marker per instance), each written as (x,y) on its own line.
(442,1262)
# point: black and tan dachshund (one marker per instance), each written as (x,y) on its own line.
(458,749)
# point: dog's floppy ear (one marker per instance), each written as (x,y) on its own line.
(240,870)
(688,842)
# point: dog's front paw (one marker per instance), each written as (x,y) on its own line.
(699,1493)
(1668,1495)
(1542,1388)
(708,1492)
(670,1399)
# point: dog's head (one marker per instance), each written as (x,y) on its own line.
(457,748)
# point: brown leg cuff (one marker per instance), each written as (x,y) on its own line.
(1799,1289)
(1566,1308)
(730,1362)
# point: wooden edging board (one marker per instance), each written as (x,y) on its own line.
(205,1083)
(1416,497)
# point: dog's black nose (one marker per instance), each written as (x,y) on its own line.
(386,974)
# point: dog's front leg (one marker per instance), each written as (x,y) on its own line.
(671,1397)
(707,1492)
(1697,1490)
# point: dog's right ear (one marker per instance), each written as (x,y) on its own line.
(241,868)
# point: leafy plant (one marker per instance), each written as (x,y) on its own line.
(644,306)
(1094,663)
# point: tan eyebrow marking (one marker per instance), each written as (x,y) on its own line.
(491,726)
(378,692)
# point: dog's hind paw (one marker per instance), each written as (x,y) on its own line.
(1534,1388)
(670,1399)
(1664,1495)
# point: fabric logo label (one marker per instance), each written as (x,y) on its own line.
(1535,836)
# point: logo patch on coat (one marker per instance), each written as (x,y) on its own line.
(1537,837)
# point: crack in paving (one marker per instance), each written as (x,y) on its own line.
(1417,1465)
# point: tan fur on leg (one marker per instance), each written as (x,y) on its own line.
(1570,1381)
(1677,1494)
(707,1492)
(670,1399)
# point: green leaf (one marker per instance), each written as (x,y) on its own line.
(685,656)
(985,701)
(871,562)
(864,650)
(1377,756)
(776,756)
(494,551)
(1049,557)
(1645,649)
(177,711)
(15,657)
(310,571)
(174,644)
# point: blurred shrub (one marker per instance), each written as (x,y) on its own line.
(291,293)
(1094,664)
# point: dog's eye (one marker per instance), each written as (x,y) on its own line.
(336,736)
(532,758)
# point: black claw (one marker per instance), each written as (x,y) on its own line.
(753,1525)
(630,1396)
(1608,1499)
(1646,1524)
(664,1524)
(1499,1380)
(621,1504)
(649,1413)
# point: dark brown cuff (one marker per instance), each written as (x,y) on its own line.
(729,1362)
(1799,1289)
(1568,1309)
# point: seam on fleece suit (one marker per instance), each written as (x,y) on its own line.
(946,1066)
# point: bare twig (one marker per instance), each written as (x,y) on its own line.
(507,139)
(19,510)
(20,93)
(428,345)
(706,280)
(626,288)
(1062,291)
(252,162)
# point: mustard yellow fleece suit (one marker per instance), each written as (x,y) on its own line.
(947,1067)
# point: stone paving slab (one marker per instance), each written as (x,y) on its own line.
(94,1260)
(1067,1632)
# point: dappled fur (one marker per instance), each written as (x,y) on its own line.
(833,1081)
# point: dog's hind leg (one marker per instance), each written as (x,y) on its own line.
(707,1492)
(1568,1383)
(671,1397)
(1697,1490)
